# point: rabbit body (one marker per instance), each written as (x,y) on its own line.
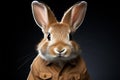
(72,70)
(59,55)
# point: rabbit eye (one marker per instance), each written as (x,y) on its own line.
(49,37)
(70,36)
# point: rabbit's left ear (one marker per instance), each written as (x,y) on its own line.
(75,15)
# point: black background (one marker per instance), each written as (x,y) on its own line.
(98,37)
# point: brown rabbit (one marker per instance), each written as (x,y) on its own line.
(59,56)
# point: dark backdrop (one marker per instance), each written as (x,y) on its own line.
(98,37)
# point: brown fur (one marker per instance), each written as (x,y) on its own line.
(59,56)
(59,32)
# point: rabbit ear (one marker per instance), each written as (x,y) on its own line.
(42,15)
(75,15)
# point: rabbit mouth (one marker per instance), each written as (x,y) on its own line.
(62,56)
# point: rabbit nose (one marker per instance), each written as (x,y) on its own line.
(60,51)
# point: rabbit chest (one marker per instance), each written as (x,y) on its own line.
(72,70)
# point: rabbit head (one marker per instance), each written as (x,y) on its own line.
(57,43)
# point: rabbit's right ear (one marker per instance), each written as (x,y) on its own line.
(42,14)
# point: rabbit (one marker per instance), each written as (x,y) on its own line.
(58,54)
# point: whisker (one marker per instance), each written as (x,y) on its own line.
(25,60)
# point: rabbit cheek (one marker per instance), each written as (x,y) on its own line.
(44,48)
(75,47)
(68,51)
(51,51)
